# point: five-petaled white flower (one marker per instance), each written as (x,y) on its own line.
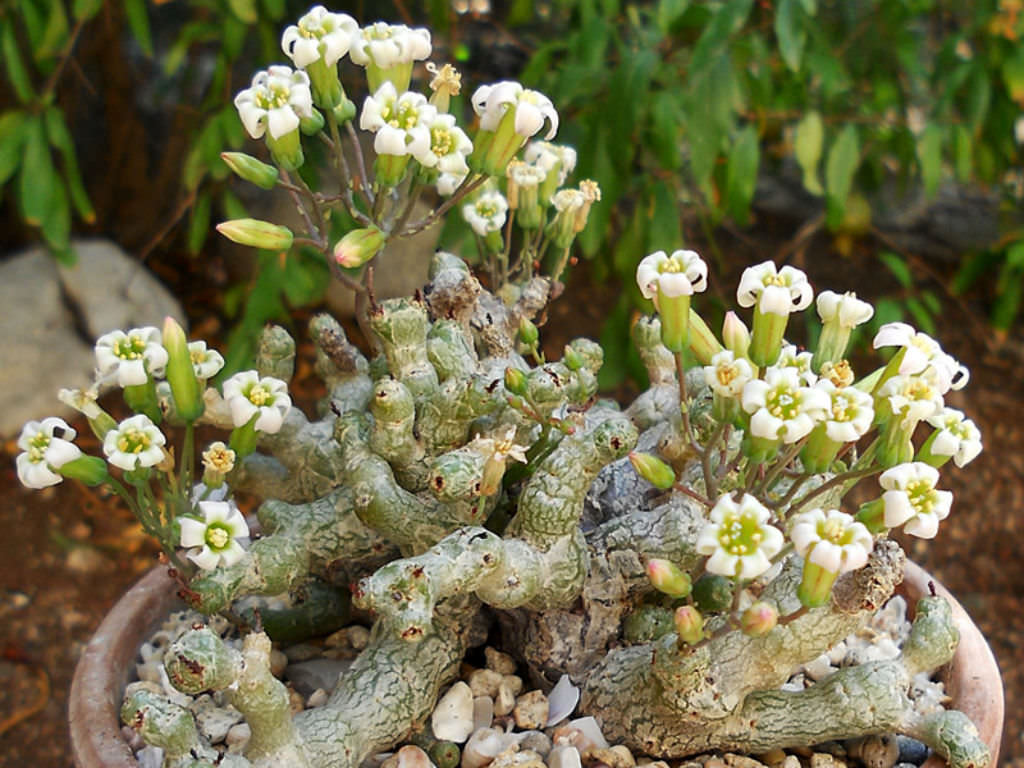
(727,374)
(218,533)
(843,308)
(319,34)
(831,539)
(449,146)
(913,398)
(684,273)
(531,108)
(447,183)
(386,45)
(276,100)
(136,442)
(955,436)
(401,122)
(487,213)
(791,357)
(248,396)
(849,416)
(774,291)
(781,408)
(205,362)
(547,156)
(922,353)
(46,447)
(739,539)
(911,497)
(132,357)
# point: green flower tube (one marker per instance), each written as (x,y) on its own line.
(181,375)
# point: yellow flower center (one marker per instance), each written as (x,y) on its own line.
(217,536)
(259,395)
(130,348)
(782,404)
(442,142)
(740,534)
(37,446)
(921,495)
(133,441)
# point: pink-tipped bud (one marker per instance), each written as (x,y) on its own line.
(668,577)
(689,625)
(759,619)
(359,246)
(735,334)
(653,470)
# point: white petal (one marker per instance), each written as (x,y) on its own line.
(898,508)
(763,424)
(753,565)
(60,452)
(722,563)
(282,121)
(923,526)
(131,373)
(241,410)
(232,553)
(827,555)
(193,532)
(35,474)
(529,119)
(206,559)
(269,421)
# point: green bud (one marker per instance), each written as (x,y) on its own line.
(256,233)
(250,169)
(359,246)
(872,515)
(653,470)
(759,619)
(515,381)
(735,334)
(816,585)
(571,358)
(188,400)
(313,124)
(528,333)
(689,625)
(667,577)
(713,593)
(91,470)
(286,149)
(703,343)
(344,111)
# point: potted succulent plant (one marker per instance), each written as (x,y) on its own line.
(677,559)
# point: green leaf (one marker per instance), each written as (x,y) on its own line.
(17,74)
(83,10)
(741,175)
(665,232)
(665,128)
(963,153)
(898,266)
(979,98)
(790,32)
(810,140)
(56,227)
(55,34)
(1015,256)
(233,207)
(1007,303)
(631,244)
(1013,74)
(886,311)
(305,280)
(244,10)
(842,163)
(929,156)
(973,267)
(38,178)
(615,342)
(922,317)
(13,130)
(729,18)
(138,20)
(199,223)
(60,138)
(669,12)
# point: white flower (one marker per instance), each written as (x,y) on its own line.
(546,156)
(45,452)
(739,539)
(402,123)
(911,497)
(532,108)
(775,291)
(218,534)
(205,362)
(781,407)
(568,201)
(727,375)
(131,357)
(276,100)
(136,442)
(319,34)
(267,399)
(922,353)
(832,540)
(388,45)
(845,309)
(684,273)
(850,414)
(791,357)
(447,183)
(525,176)
(913,398)
(487,213)
(449,146)
(955,436)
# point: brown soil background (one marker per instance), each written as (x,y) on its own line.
(68,552)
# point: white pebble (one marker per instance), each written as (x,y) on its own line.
(317,698)
(819,668)
(514,683)
(485,745)
(500,662)
(562,700)
(452,719)
(238,738)
(484,682)
(278,661)
(358,636)
(505,701)
(483,712)
(564,757)
(531,710)
(150,757)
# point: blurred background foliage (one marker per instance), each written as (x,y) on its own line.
(849,117)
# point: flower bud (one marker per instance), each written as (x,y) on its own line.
(359,246)
(250,169)
(256,233)
(703,343)
(735,334)
(181,375)
(91,470)
(713,593)
(313,124)
(689,625)
(572,359)
(759,619)
(515,381)
(528,333)
(344,111)
(815,587)
(669,578)
(653,470)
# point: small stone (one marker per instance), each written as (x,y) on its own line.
(715,762)
(791,761)
(296,701)
(215,722)
(410,756)
(819,668)
(483,712)
(132,737)
(514,683)
(521,759)
(278,662)
(772,757)
(564,757)
(337,639)
(484,745)
(499,662)
(150,757)
(309,675)
(238,738)
(584,733)
(876,751)
(538,741)
(84,560)
(618,756)
(358,636)
(911,750)
(302,652)
(825,760)
(837,653)
(505,701)
(662,764)
(452,719)
(562,700)
(317,698)
(742,761)
(484,682)
(531,710)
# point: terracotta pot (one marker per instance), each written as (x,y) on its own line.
(972,679)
